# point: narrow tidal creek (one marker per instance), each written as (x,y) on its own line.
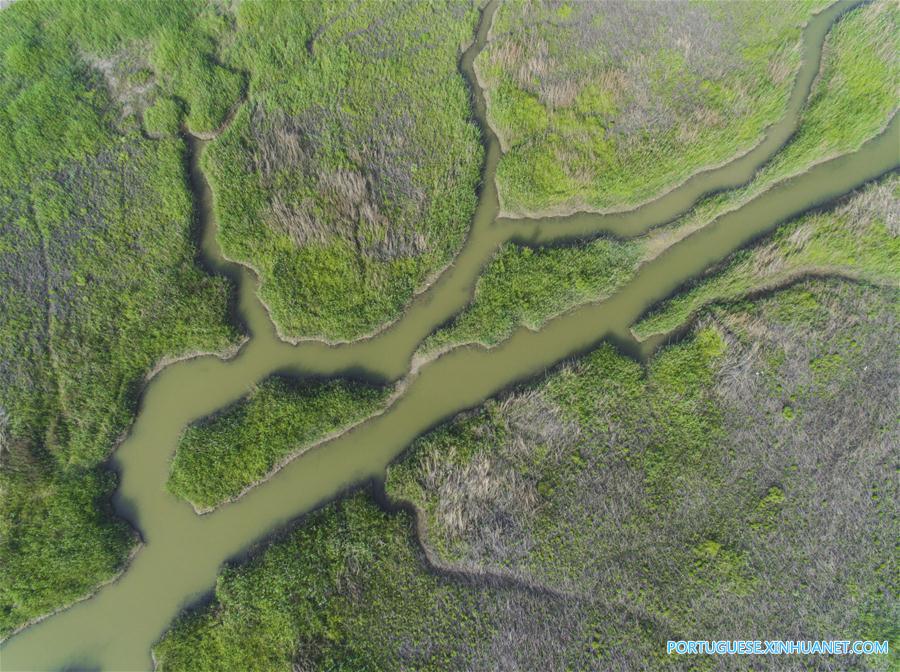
(183,552)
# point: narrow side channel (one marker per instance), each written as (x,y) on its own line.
(183,552)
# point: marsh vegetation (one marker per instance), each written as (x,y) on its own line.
(603,105)
(853,99)
(577,521)
(98,279)
(221,456)
(859,239)
(584,519)
(348,178)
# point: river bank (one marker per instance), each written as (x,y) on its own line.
(193,547)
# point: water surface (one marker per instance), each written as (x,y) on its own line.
(183,552)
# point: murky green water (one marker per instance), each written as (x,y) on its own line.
(183,551)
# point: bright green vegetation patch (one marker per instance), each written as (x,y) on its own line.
(141,50)
(834,121)
(671,499)
(525,286)
(348,177)
(163,117)
(600,105)
(521,286)
(348,591)
(681,494)
(855,95)
(863,41)
(852,100)
(220,456)
(859,238)
(98,284)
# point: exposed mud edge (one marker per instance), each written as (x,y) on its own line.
(580,208)
(87,596)
(480,577)
(196,142)
(422,358)
(227,353)
(678,234)
(374,489)
(191,138)
(486,96)
(426,285)
(164,362)
(433,563)
(41,618)
(403,383)
(429,279)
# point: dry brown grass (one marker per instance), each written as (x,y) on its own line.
(346,203)
(128,77)
(604,533)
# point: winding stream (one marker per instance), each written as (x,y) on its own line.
(183,552)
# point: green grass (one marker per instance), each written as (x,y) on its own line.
(98,283)
(96,246)
(348,177)
(525,286)
(834,122)
(855,95)
(668,498)
(347,591)
(838,117)
(220,456)
(603,108)
(163,117)
(853,239)
(346,206)
(682,489)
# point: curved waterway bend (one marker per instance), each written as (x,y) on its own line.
(183,552)
(730,175)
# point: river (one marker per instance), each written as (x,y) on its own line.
(183,552)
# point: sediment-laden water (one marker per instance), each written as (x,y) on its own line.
(183,551)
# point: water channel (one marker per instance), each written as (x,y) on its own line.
(183,552)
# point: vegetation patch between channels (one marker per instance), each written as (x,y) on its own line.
(676,499)
(221,457)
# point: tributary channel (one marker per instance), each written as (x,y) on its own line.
(183,552)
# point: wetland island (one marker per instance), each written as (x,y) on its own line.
(449,334)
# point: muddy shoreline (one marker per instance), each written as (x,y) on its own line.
(251,521)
